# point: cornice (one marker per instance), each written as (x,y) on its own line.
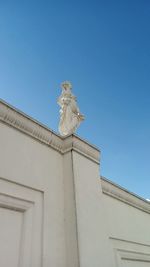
(18,120)
(74,142)
(123,195)
(27,125)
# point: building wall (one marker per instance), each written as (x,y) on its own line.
(54,208)
(128,219)
(32,168)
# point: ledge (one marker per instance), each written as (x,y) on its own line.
(27,125)
(113,190)
(74,142)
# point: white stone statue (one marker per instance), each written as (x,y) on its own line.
(70,116)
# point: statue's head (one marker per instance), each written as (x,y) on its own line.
(66,86)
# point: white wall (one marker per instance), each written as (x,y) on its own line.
(30,163)
(54,209)
(94,247)
(128,223)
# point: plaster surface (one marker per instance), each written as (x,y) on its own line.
(55,207)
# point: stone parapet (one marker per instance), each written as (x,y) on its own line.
(24,123)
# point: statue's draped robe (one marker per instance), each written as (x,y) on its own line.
(70,116)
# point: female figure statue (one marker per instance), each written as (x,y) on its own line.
(70,116)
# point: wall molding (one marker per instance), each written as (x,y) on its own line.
(118,192)
(74,142)
(127,250)
(27,125)
(29,204)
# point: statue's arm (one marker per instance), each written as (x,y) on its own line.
(60,100)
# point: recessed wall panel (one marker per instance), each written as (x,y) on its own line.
(21,225)
(10,237)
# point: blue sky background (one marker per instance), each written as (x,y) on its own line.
(103,48)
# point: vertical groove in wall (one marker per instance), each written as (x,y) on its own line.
(75,206)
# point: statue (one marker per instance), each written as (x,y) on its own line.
(70,116)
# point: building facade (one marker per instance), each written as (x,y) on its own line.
(56,210)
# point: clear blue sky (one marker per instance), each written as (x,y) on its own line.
(103,48)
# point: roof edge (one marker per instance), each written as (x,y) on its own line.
(15,118)
(116,191)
